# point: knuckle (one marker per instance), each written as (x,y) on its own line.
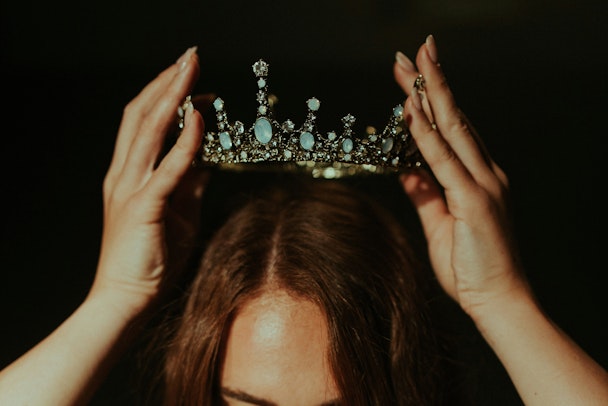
(447,154)
(460,124)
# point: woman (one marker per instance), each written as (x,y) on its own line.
(150,207)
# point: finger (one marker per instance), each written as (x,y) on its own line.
(137,109)
(427,198)
(438,154)
(405,74)
(144,152)
(404,71)
(450,120)
(186,199)
(178,160)
(435,219)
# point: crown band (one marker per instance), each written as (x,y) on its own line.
(270,145)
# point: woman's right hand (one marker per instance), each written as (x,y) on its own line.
(143,186)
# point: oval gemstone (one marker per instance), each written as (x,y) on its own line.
(387,145)
(225,140)
(347,145)
(263,130)
(307,140)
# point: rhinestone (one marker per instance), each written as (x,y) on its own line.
(262,109)
(288,125)
(260,68)
(239,127)
(331,136)
(261,83)
(348,120)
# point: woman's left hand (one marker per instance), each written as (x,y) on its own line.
(464,210)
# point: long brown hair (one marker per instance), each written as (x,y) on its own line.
(325,242)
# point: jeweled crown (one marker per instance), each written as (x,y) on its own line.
(269,144)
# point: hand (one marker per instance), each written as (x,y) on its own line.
(463,209)
(151,199)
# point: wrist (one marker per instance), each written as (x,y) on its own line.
(124,303)
(503,307)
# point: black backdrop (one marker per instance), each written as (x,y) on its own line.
(531,76)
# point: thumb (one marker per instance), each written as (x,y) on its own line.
(427,198)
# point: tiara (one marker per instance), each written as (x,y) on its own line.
(270,145)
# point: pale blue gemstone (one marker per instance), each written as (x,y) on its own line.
(398,111)
(314,104)
(225,140)
(218,104)
(387,145)
(347,145)
(261,83)
(307,140)
(262,130)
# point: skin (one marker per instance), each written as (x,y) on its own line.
(276,354)
(150,211)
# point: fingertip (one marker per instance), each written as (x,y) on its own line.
(201,184)
(431,48)
(418,184)
(198,118)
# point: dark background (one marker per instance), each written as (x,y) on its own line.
(530,75)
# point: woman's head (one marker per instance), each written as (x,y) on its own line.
(322,255)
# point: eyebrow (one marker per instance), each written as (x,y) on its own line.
(247,398)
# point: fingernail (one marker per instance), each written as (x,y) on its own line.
(184,112)
(183,60)
(189,107)
(415,96)
(404,61)
(431,48)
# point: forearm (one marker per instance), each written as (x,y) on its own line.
(69,365)
(545,365)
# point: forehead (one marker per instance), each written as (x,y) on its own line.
(277,350)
